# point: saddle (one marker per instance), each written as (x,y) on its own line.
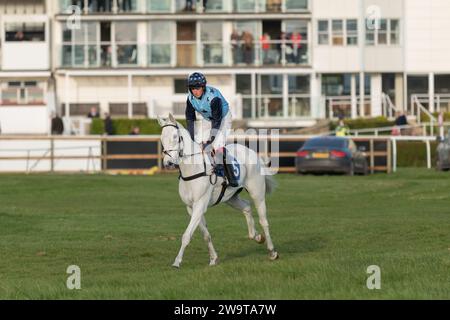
(227,167)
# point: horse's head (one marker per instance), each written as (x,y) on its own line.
(171,141)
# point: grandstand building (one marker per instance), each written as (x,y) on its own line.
(280,63)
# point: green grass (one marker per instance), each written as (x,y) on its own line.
(124,232)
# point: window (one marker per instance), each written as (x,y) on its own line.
(180,86)
(126,40)
(80,45)
(160,42)
(25,32)
(159,5)
(343,32)
(370,33)
(324,36)
(297,42)
(352,32)
(292,5)
(337,30)
(244,87)
(383,32)
(211,36)
(394,32)
(22,93)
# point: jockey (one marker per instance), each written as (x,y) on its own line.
(215,122)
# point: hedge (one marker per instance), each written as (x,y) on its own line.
(424,117)
(364,123)
(124,126)
(414,153)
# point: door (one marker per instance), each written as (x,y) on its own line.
(186,44)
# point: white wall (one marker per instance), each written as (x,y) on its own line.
(25,56)
(24,120)
(427,36)
(109,89)
(41,148)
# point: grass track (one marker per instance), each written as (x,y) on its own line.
(124,232)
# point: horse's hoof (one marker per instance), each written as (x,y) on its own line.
(260,239)
(176,265)
(214,262)
(273,255)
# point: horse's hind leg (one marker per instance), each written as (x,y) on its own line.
(258,195)
(207,237)
(245,206)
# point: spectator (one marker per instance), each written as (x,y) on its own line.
(400,122)
(189,6)
(441,124)
(247,39)
(93,113)
(57,127)
(265,46)
(135,131)
(235,39)
(296,39)
(342,130)
(281,45)
(109,127)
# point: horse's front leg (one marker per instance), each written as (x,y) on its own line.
(213,258)
(198,210)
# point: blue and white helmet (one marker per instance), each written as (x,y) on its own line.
(196,80)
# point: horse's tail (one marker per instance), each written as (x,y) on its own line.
(271,183)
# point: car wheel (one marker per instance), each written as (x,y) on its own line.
(366,169)
(438,165)
(351,170)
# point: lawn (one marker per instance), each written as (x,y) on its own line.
(124,232)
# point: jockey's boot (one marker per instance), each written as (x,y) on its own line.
(229,170)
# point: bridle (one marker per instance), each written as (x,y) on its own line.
(182,155)
(180,140)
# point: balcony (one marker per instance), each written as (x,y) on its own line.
(182,6)
(185,54)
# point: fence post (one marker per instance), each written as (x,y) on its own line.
(104,154)
(159,155)
(389,156)
(428,154)
(394,155)
(52,154)
(372,157)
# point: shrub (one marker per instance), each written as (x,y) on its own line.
(124,126)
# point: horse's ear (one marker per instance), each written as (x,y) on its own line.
(161,121)
(172,119)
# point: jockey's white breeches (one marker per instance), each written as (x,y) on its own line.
(202,131)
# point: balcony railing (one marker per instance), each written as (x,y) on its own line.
(185,54)
(183,6)
(32,96)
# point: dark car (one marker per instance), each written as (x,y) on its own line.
(443,154)
(331,155)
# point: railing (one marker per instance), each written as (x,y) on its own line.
(427,141)
(389,109)
(184,54)
(183,6)
(418,109)
(102,153)
(441,101)
(341,106)
(176,105)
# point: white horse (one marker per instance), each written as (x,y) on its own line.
(200,188)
